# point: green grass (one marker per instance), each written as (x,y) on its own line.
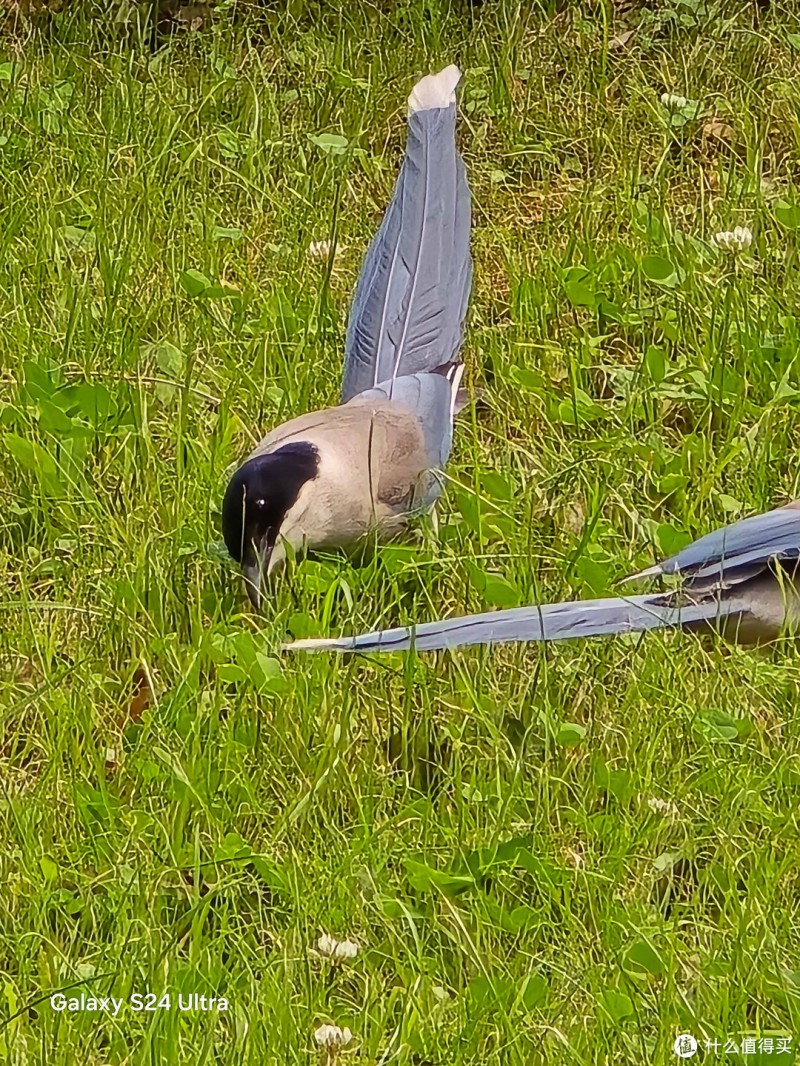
(562,855)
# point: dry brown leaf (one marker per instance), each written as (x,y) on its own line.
(141,699)
(716,129)
(132,712)
(711,179)
(622,40)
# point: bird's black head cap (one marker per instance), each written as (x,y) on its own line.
(259,495)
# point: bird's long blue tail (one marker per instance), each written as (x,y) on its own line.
(549,622)
(412,293)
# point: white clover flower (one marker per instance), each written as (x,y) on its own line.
(346,949)
(331,1037)
(336,950)
(662,806)
(319,249)
(736,240)
(672,102)
(326,944)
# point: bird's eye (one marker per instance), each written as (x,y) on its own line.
(260,504)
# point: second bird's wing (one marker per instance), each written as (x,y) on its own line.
(736,552)
(411,296)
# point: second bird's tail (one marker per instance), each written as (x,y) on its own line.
(545,623)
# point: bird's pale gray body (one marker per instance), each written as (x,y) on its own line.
(329,478)
(742,581)
(375,442)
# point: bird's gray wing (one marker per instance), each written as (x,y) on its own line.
(431,398)
(736,552)
(411,296)
(550,622)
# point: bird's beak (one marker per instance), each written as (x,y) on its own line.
(256,571)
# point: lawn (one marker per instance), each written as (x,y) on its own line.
(546,855)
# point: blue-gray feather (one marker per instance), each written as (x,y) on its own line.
(758,539)
(550,622)
(411,297)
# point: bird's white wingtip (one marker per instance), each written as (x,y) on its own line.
(455,385)
(435,90)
